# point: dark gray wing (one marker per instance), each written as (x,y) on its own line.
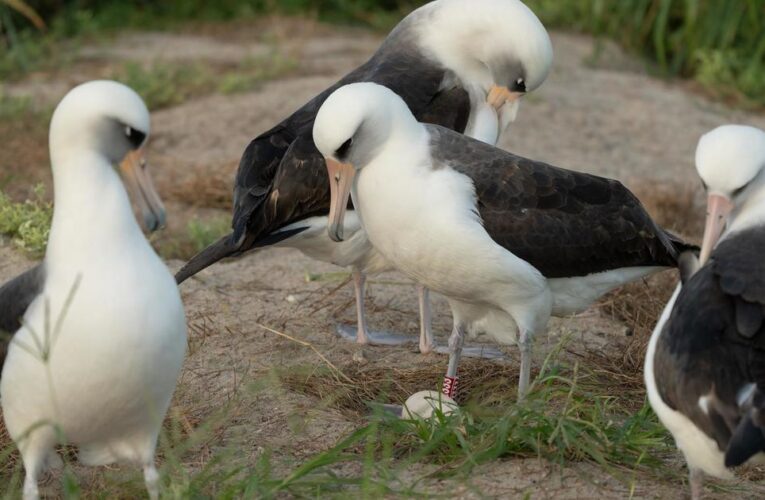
(282,177)
(564,223)
(713,345)
(15,297)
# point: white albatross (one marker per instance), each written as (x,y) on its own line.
(508,241)
(99,331)
(705,365)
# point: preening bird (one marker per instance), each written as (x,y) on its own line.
(97,330)
(508,241)
(705,365)
(462,65)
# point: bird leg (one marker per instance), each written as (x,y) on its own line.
(696,481)
(358,285)
(456,340)
(35,448)
(426,333)
(524,343)
(151,478)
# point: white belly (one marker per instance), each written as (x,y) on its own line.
(113,363)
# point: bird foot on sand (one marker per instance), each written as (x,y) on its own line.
(376,338)
(392,339)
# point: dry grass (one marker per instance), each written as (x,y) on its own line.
(678,208)
(206,188)
(395,385)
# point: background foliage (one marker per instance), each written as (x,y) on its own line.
(720,43)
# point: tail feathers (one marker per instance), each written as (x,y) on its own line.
(747,441)
(221,249)
(681,246)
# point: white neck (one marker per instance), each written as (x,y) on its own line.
(92,213)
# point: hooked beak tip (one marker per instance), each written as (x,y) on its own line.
(154,221)
(336,234)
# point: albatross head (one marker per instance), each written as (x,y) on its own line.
(350,129)
(109,120)
(730,160)
(498,47)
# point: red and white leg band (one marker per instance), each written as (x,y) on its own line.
(450,386)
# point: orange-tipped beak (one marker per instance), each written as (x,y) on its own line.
(498,96)
(719,208)
(340,182)
(136,176)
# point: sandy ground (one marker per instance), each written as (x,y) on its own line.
(600,112)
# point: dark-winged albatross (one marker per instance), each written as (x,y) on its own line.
(458,64)
(705,365)
(508,241)
(98,329)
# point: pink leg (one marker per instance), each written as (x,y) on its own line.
(358,285)
(426,333)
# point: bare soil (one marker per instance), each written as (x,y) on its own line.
(600,112)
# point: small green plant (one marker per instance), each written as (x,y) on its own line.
(203,233)
(252,72)
(166,84)
(199,234)
(12,106)
(27,223)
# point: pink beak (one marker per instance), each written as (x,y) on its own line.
(719,208)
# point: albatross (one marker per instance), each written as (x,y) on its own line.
(97,330)
(508,241)
(462,65)
(705,365)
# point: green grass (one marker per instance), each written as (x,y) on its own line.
(12,107)
(27,223)
(720,43)
(24,48)
(199,234)
(164,84)
(569,416)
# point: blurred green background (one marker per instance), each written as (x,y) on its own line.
(719,43)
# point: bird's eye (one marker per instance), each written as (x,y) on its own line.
(135,137)
(738,191)
(519,85)
(342,151)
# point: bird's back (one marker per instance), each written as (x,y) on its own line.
(710,356)
(565,223)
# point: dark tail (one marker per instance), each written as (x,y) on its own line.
(221,249)
(747,441)
(682,246)
(226,247)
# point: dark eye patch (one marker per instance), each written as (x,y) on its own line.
(342,151)
(135,137)
(519,85)
(738,191)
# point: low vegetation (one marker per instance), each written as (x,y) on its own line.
(164,84)
(27,224)
(717,43)
(198,234)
